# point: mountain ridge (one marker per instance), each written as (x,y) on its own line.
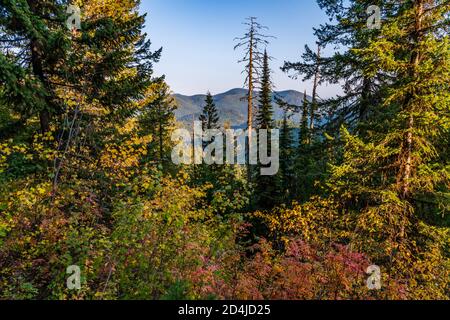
(231,105)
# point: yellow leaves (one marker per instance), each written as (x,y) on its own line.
(41,191)
(122,159)
(7,149)
(114,9)
(314,221)
(183,176)
(146,185)
(129,127)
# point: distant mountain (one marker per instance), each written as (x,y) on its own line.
(232,105)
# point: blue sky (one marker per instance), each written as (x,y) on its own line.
(197,40)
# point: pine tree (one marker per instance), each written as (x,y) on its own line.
(228,193)
(311,67)
(265,189)
(361,92)
(210,121)
(286,176)
(304,136)
(418,97)
(386,176)
(264,118)
(157,119)
(33,45)
(110,70)
(348,29)
(92,78)
(210,116)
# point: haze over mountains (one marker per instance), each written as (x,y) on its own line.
(232,105)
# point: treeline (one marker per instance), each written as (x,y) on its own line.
(86,177)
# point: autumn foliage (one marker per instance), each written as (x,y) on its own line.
(86,177)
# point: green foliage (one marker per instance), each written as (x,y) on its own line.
(210,116)
(85,176)
(264,117)
(157,121)
(286,175)
(266,193)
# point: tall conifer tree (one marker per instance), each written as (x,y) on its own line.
(210,116)
(264,118)
(286,180)
(266,190)
(387,175)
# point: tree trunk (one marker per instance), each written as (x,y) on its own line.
(406,173)
(365,101)
(314,96)
(161,143)
(250,110)
(36,63)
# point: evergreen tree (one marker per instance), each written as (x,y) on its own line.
(286,176)
(210,116)
(304,136)
(81,109)
(81,83)
(387,175)
(265,186)
(210,121)
(157,119)
(347,29)
(227,193)
(264,118)
(34,44)
(361,92)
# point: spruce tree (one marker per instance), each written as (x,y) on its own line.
(210,121)
(157,118)
(357,105)
(286,176)
(387,176)
(210,116)
(108,61)
(264,118)
(265,189)
(347,28)
(34,42)
(304,136)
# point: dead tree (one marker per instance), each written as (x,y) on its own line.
(251,43)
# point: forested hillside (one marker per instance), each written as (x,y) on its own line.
(359,208)
(232,106)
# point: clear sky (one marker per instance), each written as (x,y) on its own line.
(197,40)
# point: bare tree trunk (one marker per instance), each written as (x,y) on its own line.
(314,95)
(250,110)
